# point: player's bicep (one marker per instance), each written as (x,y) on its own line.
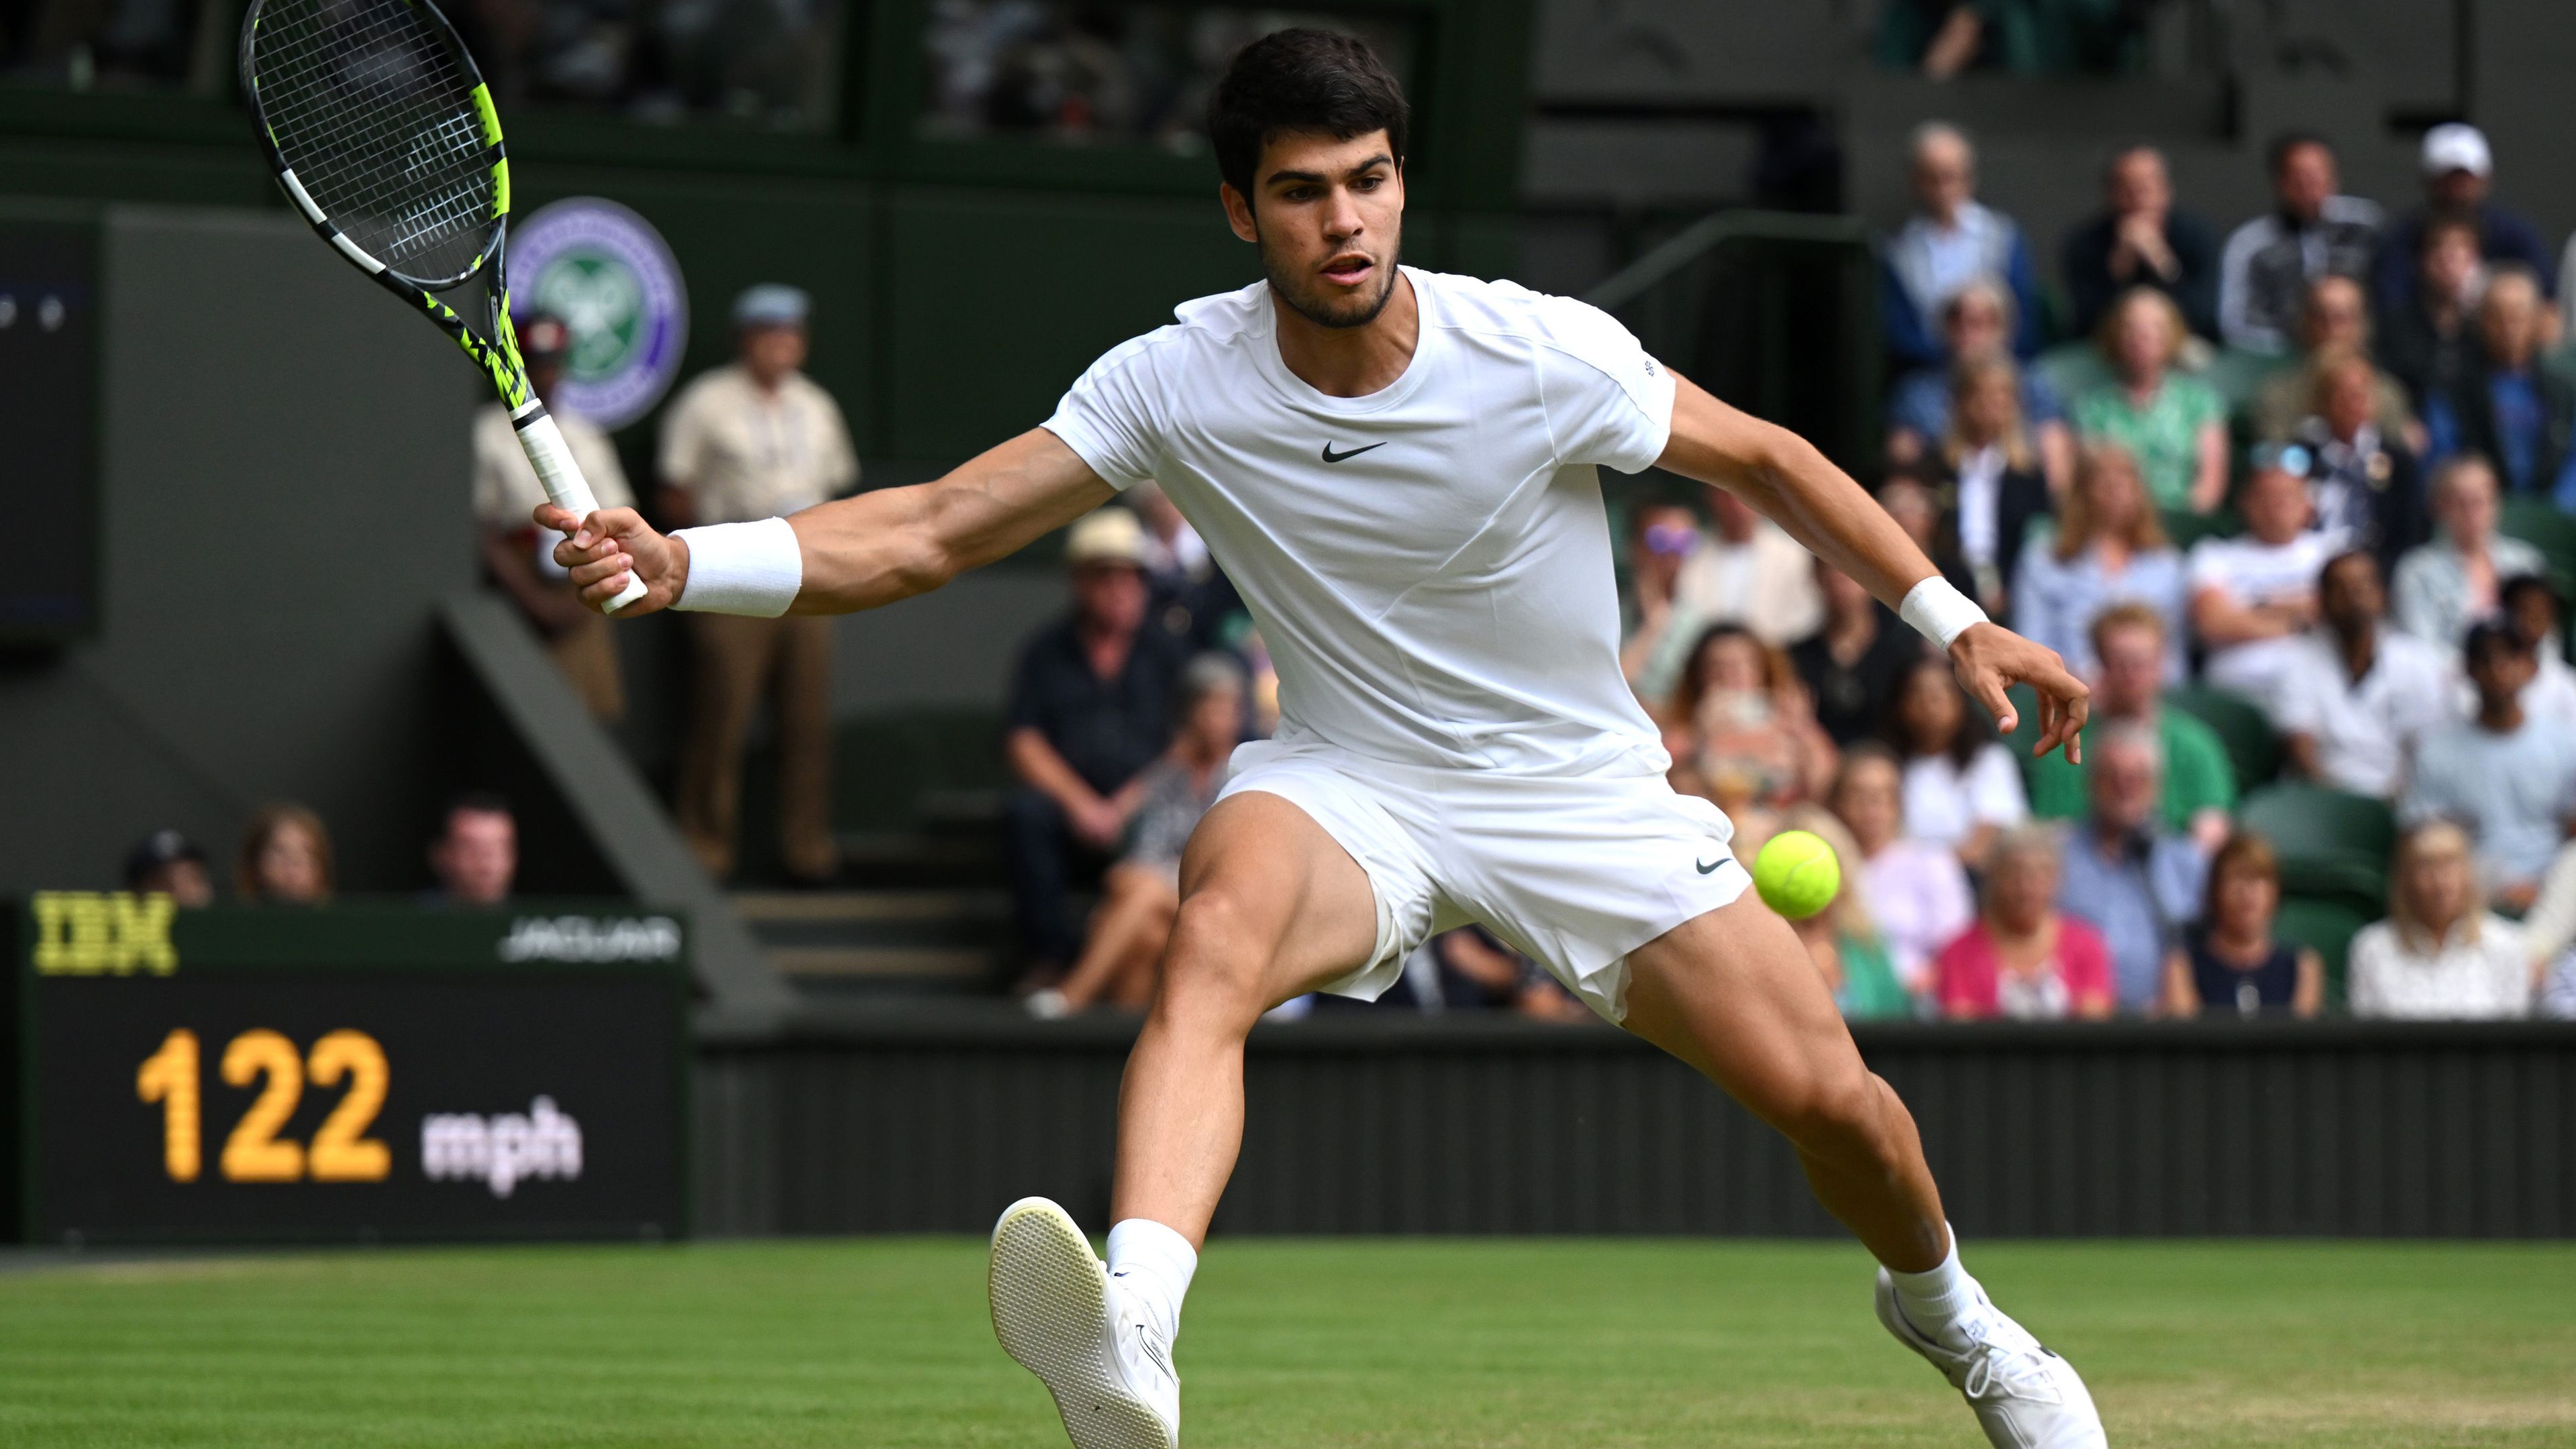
(1713,441)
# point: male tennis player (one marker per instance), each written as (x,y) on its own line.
(1398,469)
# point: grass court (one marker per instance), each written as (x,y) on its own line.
(1424,1344)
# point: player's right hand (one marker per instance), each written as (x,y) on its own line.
(606,547)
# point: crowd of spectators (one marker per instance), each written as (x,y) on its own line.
(284,859)
(2285,497)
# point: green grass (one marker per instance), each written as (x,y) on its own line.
(1376,1343)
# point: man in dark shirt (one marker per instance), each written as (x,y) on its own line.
(2139,240)
(2457,166)
(1854,663)
(2504,405)
(1091,707)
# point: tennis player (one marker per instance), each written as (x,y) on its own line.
(1397,468)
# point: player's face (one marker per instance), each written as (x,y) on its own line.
(1328,216)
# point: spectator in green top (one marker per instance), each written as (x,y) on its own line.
(2199,784)
(2174,424)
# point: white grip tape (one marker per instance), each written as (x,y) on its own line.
(742,568)
(1938,611)
(547,452)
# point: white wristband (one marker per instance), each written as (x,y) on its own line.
(1938,611)
(742,568)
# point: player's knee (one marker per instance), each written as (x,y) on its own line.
(1217,963)
(1833,1111)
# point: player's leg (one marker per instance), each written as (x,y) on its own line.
(1270,906)
(1734,994)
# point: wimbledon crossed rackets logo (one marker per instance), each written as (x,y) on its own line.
(607,273)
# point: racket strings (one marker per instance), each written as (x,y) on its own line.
(378,122)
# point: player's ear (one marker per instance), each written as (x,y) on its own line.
(1238,212)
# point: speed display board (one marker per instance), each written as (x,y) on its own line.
(355,1072)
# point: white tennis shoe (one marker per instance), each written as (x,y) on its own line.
(1058,1312)
(2025,1396)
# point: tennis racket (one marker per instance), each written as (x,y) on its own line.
(384,136)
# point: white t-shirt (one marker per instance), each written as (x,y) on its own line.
(1943,803)
(1429,565)
(2365,731)
(2254,573)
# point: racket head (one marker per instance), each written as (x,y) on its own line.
(382,132)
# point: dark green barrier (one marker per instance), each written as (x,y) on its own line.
(352,1072)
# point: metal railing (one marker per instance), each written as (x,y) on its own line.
(1776,312)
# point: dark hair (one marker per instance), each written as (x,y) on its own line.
(2277,155)
(1315,81)
(1693,686)
(2486,637)
(2326,570)
(2510,591)
(1975,731)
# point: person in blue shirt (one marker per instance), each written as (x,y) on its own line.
(2126,874)
(2505,405)
(1949,241)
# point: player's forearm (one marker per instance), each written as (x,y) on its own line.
(1788,481)
(870,550)
(875,548)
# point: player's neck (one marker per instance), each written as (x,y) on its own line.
(1351,361)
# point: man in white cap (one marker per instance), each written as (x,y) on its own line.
(2457,169)
(751,440)
(517,556)
(1090,708)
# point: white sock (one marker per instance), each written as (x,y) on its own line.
(1154,1264)
(1938,1296)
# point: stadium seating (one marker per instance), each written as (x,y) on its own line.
(2332,846)
(2253,750)
(2327,926)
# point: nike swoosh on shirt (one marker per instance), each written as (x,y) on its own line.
(1332,457)
(1711,866)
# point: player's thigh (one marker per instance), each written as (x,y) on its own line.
(1269,898)
(1735,994)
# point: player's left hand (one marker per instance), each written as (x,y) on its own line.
(1990,659)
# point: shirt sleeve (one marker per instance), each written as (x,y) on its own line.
(1110,416)
(2368,962)
(2206,567)
(1026,707)
(1606,401)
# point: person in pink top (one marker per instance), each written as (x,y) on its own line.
(2021,960)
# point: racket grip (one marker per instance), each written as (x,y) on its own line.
(547,452)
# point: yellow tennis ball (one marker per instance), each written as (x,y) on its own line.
(1797,873)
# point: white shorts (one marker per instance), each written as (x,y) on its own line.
(1575,872)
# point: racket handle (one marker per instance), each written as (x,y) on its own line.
(547,452)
